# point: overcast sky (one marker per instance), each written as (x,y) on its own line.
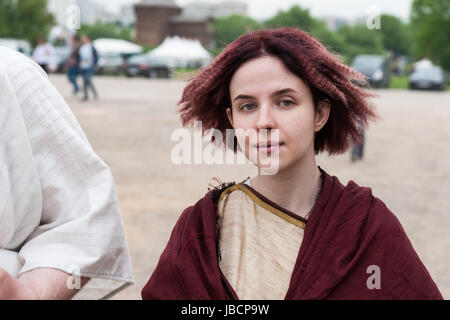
(262,9)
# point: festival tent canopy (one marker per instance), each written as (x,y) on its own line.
(116,46)
(423,64)
(181,52)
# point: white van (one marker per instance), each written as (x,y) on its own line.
(18,45)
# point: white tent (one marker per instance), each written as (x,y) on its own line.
(116,46)
(181,52)
(423,64)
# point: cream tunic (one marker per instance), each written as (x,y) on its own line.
(259,245)
(58,203)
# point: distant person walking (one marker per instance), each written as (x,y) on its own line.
(88,61)
(44,54)
(358,147)
(73,64)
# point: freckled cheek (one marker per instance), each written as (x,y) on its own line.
(297,132)
(244,127)
(243,123)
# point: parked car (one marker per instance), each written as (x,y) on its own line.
(376,68)
(143,65)
(110,63)
(17,45)
(428,79)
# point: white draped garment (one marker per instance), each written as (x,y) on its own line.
(58,203)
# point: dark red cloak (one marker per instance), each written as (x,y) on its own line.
(348,231)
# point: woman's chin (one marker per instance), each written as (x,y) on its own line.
(269,167)
(277,165)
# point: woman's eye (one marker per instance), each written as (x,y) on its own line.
(248,107)
(286,103)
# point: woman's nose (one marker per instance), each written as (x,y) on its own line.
(265,118)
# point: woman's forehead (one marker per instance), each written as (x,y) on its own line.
(264,76)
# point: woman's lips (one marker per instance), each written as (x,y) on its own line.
(269,146)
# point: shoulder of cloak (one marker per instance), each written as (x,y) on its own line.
(199,220)
(353,220)
(353,210)
(188,267)
(351,231)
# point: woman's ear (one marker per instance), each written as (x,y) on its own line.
(322,114)
(230,116)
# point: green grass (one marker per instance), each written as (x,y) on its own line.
(399,82)
(184,73)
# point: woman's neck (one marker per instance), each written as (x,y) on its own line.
(294,188)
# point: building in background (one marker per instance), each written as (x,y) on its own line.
(59,10)
(215,10)
(126,15)
(93,12)
(152,20)
(157,19)
(90,12)
(193,28)
(333,23)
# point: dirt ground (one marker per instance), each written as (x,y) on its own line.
(406,163)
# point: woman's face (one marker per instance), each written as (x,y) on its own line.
(266,95)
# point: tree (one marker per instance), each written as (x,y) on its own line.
(24,19)
(107,30)
(360,40)
(332,40)
(347,41)
(430,22)
(295,17)
(395,35)
(227,29)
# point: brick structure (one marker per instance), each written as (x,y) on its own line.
(192,28)
(157,19)
(152,21)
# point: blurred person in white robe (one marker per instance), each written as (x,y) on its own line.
(44,55)
(61,229)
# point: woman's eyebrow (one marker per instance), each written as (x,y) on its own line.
(282,91)
(276,93)
(243,96)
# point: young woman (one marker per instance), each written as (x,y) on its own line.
(298,233)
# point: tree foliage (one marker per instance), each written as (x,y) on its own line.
(359,39)
(107,30)
(427,34)
(395,35)
(295,17)
(430,23)
(227,29)
(25,19)
(332,40)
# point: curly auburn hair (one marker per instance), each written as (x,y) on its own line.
(206,96)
